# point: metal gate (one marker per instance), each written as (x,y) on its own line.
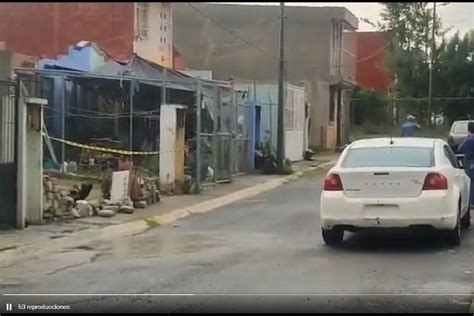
(8,156)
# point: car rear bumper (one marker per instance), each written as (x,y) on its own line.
(433,209)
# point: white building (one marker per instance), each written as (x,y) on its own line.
(154,32)
(265,96)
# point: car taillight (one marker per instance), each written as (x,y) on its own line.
(333,183)
(435,181)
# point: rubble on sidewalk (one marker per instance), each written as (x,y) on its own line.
(62,203)
(84,208)
(107,213)
(140,204)
(126,209)
(126,206)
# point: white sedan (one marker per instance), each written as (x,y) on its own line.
(395,183)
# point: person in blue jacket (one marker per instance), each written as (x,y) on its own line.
(467,149)
(410,126)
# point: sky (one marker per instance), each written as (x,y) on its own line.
(459,15)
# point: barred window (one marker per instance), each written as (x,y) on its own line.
(142,25)
(290,110)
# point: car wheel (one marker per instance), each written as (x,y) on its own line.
(453,236)
(333,237)
(466,220)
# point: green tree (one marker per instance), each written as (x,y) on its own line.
(408,26)
(369,108)
(454,76)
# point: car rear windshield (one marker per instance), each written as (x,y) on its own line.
(460,128)
(389,157)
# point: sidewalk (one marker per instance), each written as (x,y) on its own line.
(16,244)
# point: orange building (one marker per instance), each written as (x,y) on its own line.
(371,71)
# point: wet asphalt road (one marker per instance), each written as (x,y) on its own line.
(261,254)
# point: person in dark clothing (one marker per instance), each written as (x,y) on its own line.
(467,149)
(409,126)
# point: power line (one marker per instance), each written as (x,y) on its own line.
(242,40)
(224,28)
(372,55)
(380,50)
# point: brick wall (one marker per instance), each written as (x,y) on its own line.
(46,29)
(371,70)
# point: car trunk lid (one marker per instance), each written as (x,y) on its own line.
(383,183)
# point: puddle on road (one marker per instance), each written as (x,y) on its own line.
(154,246)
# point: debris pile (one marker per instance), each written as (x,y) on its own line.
(138,190)
(63,204)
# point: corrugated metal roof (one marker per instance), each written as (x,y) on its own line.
(139,67)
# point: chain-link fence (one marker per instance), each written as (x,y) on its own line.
(389,111)
(214,128)
(386,116)
(8,156)
(245,127)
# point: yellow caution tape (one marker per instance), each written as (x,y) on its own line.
(103,149)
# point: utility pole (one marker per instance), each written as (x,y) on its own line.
(281,94)
(430,87)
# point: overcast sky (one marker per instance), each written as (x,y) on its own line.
(459,15)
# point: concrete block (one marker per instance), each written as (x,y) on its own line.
(126,209)
(106,213)
(140,204)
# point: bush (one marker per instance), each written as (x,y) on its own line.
(369,108)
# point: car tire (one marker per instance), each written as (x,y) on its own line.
(332,237)
(466,220)
(453,236)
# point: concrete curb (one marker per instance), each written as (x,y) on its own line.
(213,204)
(141,225)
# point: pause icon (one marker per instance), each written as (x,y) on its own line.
(9,306)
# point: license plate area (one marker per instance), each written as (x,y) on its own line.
(380,210)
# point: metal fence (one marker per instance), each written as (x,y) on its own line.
(245,127)
(219,127)
(7,123)
(216,136)
(8,161)
(393,111)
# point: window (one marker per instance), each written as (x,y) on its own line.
(460,128)
(142,25)
(161,27)
(448,152)
(164,16)
(7,131)
(332,103)
(336,48)
(164,28)
(389,157)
